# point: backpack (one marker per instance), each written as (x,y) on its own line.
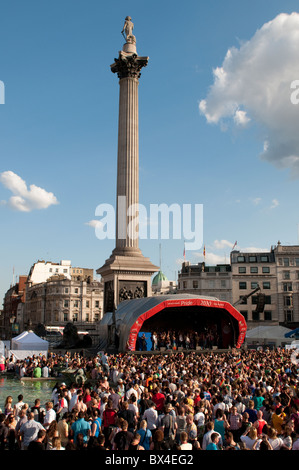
(122,443)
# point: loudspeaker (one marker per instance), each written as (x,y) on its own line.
(260,303)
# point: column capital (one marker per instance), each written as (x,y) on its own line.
(128,65)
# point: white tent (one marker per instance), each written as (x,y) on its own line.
(28,344)
(268,334)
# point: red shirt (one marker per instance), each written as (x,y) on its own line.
(196,400)
(108,417)
(159,399)
(86,398)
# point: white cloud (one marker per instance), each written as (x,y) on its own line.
(275,203)
(254,83)
(94,223)
(25,199)
(256,201)
(221,244)
(212,258)
(241,118)
(252,249)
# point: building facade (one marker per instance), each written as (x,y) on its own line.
(59,301)
(276,272)
(250,271)
(13,309)
(199,279)
(161,285)
(41,271)
(52,295)
(287,271)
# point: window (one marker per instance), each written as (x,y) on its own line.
(97,304)
(87,317)
(223,284)
(288,315)
(287,286)
(76,303)
(297,261)
(65,270)
(76,290)
(255,316)
(195,284)
(87,303)
(288,301)
(211,284)
(254,269)
(50,270)
(286,261)
(242,270)
(244,313)
(242,285)
(264,259)
(266,285)
(184,284)
(241,259)
(268,315)
(75,317)
(65,317)
(252,259)
(286,275)
(244,300)
(66,290)
(268,299)
(254,285)
(265,269)
(66,304)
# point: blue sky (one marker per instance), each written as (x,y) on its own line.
(59,125)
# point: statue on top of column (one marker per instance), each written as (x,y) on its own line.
(128,29)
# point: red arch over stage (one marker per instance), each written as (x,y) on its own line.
(190,302)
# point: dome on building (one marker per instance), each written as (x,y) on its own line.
(159,278)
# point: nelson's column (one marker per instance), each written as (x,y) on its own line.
(127,273)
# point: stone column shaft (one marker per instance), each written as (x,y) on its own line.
(128,163)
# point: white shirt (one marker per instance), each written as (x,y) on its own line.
(73,401)
(250,442)
(207,439)
(130,392)
(151,416)
(49,417)
(199,418)
(186,446)
(18,406)
(276,443)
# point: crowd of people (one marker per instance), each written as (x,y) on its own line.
(234,400)
(174,339)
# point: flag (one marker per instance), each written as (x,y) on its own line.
(221,383)
(184,252)
(234,246)
(204,250)
(238,363)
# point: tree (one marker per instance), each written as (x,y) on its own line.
(40,330)
(70,335)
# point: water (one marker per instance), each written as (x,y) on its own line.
(29,389)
